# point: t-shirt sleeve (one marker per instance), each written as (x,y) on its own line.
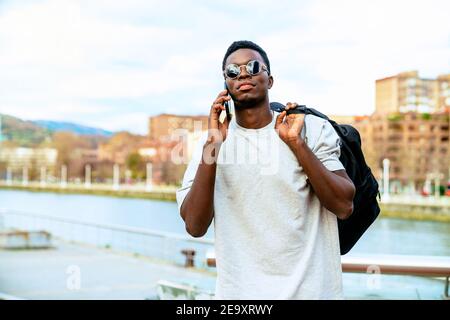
(191,171)
(327,147)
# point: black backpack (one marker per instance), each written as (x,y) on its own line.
(365,204)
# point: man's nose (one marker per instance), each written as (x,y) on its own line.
(243,73)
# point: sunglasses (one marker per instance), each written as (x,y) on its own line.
(253,67)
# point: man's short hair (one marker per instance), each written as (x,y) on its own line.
(245,44)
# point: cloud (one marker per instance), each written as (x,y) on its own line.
(64,111)
(349,44)
(148,57)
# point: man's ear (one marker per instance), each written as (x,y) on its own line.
(270,82)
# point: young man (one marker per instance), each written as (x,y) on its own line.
(275,188)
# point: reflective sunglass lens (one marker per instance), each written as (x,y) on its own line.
(253,67)
(232,71)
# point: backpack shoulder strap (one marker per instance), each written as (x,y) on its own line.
(279,107)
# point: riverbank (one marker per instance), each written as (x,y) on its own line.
(421,212)
(428,211)
(121,193)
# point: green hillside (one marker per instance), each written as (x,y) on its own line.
(22,133)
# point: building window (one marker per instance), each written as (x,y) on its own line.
(411,82)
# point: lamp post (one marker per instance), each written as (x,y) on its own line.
(437,184)
(427,186)
(386,163)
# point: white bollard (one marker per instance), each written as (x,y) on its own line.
(116,177)
(149,180)
(8,176)
(63,176)
(25,176)
(43,176)
(87,176)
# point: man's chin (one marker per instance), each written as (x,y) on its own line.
(246,103)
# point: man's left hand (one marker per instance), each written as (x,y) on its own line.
(290,126)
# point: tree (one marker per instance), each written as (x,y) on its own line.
(68,146)
(136,164)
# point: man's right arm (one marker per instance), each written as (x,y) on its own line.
(197,209)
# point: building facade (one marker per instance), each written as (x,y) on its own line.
(407,92)
(410,127)
(417,145)
(17,158)
(165,125)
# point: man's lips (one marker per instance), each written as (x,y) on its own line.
(245,86)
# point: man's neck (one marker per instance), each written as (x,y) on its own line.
(254,118)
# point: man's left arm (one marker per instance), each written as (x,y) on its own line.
(334,188)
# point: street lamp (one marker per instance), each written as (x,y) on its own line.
(149,185)
(386,164)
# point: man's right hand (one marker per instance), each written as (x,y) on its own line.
(217,131)
(197,209)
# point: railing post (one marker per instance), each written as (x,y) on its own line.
(446,295)
(189,254)
(97,236)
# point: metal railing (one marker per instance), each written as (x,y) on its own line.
(169,246)
(155,244)
(4,296)
(405,265)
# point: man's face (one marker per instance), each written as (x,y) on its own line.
(246,90)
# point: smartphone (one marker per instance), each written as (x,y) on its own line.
(227,105)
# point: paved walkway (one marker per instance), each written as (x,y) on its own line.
(103,274)
(106,274)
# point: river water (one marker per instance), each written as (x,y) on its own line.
(385,236)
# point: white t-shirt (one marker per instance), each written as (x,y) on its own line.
(273,238)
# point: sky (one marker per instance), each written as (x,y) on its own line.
(112,64)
